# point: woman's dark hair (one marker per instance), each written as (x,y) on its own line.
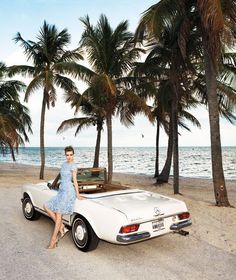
(69,149)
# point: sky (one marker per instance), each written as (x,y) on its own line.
(27,16)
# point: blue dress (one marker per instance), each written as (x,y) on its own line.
(64,201)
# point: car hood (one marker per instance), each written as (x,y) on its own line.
(140,205)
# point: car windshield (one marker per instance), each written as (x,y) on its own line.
(93,180)
(90,175)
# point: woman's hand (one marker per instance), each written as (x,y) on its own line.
(80,197)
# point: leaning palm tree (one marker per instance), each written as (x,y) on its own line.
(111,54)
(183,116)
(154,69)
(14,117)
(50,60)
(167,59)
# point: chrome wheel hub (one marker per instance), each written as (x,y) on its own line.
(80,232)
(28,207)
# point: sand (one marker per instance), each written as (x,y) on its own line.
(208,252)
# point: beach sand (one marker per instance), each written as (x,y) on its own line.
(208,252)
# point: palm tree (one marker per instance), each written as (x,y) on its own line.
(161,120)
(168,57)
(94,116)
(217,25)
(156,68)
(14,117)
(111,54)
(215,17)
(50,60)
(91,104)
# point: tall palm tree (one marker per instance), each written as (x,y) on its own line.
(216,18)
(111,54)
(156,70)
(50,59)
(91,104)
(169,54)
(217,25)
(14,117)
(94,116)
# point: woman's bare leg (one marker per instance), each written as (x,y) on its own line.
(52,215)
(54,238)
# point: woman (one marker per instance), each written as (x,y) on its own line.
(63,202)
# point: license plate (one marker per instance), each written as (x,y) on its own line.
(158,225)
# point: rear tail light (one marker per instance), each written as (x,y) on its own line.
(184,215)
(130,228)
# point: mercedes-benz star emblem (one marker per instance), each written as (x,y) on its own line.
(157,211)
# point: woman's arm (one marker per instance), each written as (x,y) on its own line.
(74,175)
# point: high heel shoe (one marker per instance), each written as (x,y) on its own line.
(52,245)
(63,233)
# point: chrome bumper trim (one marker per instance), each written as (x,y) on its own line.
(132,237)
(181,225)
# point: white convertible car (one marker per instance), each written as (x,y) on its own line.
(110,212)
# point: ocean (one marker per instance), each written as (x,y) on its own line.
(194,162)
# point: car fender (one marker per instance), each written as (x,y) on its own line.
(38,193)
(29,194)
(98,216)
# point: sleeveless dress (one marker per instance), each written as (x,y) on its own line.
(64,201)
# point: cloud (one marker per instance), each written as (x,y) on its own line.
(16,58)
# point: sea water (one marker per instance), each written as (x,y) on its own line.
(193,161)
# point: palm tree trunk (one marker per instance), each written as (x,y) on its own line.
(12,153)
(109,147)
(165,173)
(157,150)
(174,112)
(216,152)
(97,148)
(42,150)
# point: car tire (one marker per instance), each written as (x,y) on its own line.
(28,209)
(83,235)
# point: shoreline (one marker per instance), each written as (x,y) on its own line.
(114,172)
(194,162)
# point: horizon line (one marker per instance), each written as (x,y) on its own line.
(202,146)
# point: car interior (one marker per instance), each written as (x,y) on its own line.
(90,180)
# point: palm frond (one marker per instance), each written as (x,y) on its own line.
(65,83)
(81,123)
(24,70)
(71,56)
(188,116)
(75,70)
(34,85)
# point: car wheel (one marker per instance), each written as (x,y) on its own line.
(28,209)
(83,235)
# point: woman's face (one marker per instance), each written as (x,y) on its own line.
(69,156)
